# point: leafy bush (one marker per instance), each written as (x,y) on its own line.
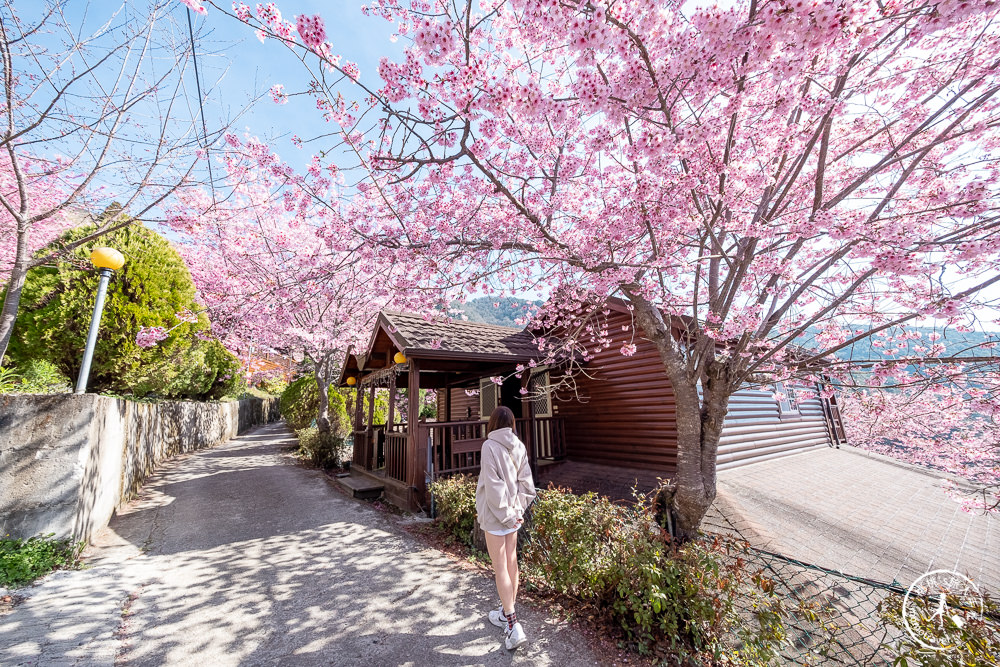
(324,451)
(152,287)
(273,386)
(975,637)
(300,403)
(9,379)
(23,561)
(669,599)
(41,376)
(572,541)
(455,500)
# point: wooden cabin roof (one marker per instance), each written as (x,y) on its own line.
(441,345)
(420,338)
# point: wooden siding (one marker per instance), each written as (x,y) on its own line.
(628,414)
(755,430)
(460,402)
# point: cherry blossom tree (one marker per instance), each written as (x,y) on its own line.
(935,426)
(283,267)
(89,118)
(766,185)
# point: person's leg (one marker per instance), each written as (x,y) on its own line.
(510,547)
(497,547)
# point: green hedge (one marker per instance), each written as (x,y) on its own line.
(300,403)
(672,600)
(152,287)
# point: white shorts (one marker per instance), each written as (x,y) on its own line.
(500,533)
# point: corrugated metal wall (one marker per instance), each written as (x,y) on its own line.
(755,429)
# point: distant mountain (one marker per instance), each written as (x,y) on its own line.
(957,343)
(501,311)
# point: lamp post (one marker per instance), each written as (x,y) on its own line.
(107,260)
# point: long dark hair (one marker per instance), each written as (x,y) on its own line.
(502,417)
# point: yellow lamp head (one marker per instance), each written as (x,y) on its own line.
(399,358)
(351,381)
(107,258)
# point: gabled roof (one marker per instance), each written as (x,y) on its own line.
(420,338)
(440,344)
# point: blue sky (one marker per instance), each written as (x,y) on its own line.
(236,67)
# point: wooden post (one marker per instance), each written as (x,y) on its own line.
(370,430)
(390,418)
(528,413)
(357,408)
(414,467)
(447,403)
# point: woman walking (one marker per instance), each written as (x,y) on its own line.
(504,492)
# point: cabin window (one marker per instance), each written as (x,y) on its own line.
(541,396)
(489,398)
(788,404)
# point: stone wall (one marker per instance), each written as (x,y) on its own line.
(68,461)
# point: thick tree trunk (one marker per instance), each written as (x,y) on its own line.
(323,383)
(12,300)
(699,419)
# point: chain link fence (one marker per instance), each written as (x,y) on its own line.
(830,617)
(833,618)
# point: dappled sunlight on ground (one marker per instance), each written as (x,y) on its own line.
(240,556)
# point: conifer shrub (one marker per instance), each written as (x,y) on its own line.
(299,402)
(149,291)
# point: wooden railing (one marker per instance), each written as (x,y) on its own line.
(395,455)
(549,437)
(457,445)
(362,456)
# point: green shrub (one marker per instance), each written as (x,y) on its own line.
(673,600)
(975,637)
(149,291)
(300,404)
(273,386)
(324,451)
(9,379)
(455,502)
(40,376)
(571,546)
(23,561)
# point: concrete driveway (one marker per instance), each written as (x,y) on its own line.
(862,514)
(237,555)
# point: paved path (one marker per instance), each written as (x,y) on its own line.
(861,514)
(236,555)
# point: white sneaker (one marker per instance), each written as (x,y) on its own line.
(498,618)
(514,637)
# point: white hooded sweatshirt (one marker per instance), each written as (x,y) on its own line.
(505,486)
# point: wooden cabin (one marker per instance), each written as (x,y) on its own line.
(620,415)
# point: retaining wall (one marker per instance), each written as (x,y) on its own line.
(68,461)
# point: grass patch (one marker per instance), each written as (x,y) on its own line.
(23,561)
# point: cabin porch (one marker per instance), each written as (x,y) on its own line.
(456,361)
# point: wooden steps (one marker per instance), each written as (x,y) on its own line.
(362,486)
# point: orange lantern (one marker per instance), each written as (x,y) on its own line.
(351,381)
(399,358)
